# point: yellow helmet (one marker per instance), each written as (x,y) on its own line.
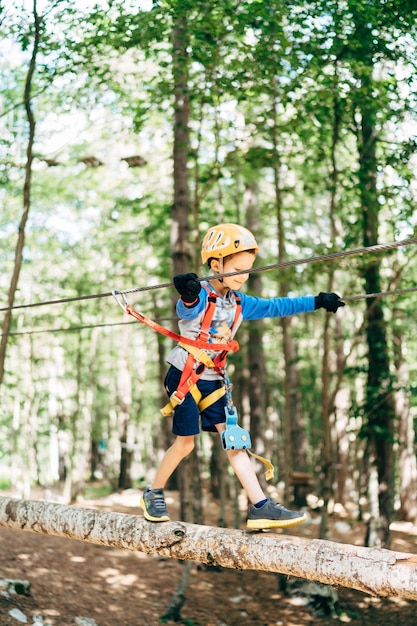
(225,239)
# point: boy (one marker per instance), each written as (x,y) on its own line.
(226,248)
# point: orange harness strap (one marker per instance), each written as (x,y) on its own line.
(233,346)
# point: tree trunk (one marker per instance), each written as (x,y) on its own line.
(163,438)
(379,402)
(328,455)
(180,248)
(26,192)
(124,385)
(373,571)
(295,439)
(173,611)
(380,409)
(256,356)
(75,477)
(327,464)
(406,435)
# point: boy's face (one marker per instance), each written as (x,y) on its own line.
(238,262)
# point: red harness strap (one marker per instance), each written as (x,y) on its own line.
(232,346)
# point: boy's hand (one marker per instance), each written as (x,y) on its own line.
(329,301)
(187,286)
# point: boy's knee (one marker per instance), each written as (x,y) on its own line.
(237,456)
(185,444)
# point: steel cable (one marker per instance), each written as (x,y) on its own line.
(285,264)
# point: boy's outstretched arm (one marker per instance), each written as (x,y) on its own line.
(257,308)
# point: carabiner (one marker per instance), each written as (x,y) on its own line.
(115,294)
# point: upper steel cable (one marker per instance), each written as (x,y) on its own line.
(314,259)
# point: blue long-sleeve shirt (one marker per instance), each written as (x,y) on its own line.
(253,308)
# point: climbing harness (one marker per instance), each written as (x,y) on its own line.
(197,360)
(234,437)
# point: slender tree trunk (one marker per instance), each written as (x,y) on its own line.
(327,464)
(328,456)
(256,355)
(87,411)
(407,448)
(163,438)
(346,463)
(26,191)
(71,486)
(124,384)
(180,249)
(295,440)
(380,409)
(379,400)
(220,481)
(173,611)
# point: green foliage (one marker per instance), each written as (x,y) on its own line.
(4,484)
(275,91)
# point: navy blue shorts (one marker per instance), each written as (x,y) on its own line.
(186,415)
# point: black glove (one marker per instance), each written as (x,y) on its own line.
(187,286)
(329,301)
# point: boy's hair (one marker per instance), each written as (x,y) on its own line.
(229,256)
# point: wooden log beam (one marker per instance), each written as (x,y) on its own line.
(374,571)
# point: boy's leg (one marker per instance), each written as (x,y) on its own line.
(269,514)
(244,470)
(182,447)
(153,500)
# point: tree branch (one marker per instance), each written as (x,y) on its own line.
(374,571)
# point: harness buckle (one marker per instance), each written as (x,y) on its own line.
(178,396)
(202,357)
(176,399)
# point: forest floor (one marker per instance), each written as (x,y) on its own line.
(75,583)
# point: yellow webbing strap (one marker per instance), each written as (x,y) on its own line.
(198,354)
(269,474)
(211,398)
(169,408)
(201,356)
(195,392)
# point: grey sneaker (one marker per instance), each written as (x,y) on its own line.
(273,515)
(153,505)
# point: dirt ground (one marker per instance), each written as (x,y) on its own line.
(71,580)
